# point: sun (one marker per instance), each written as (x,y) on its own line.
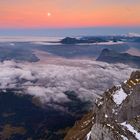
(49,14)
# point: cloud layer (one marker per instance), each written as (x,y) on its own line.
(47,82)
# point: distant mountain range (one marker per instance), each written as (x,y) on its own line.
(98,39)
(69,40)
(111,56)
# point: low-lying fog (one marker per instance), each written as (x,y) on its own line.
(49,78)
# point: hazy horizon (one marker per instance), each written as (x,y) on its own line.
(62,32)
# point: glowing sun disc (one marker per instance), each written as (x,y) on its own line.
(49,14)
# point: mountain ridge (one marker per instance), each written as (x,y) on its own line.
(115,115)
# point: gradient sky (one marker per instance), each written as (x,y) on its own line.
(68,13)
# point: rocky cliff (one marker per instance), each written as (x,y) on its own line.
(115,116)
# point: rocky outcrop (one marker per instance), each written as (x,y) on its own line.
(111,56)
(115,116)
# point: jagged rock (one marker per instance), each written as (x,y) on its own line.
(116,116)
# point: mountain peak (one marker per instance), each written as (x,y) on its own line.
(115,116)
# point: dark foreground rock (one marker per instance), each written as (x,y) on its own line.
(22,117)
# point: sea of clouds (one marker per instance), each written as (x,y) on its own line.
(48,82)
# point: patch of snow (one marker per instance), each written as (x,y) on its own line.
(124,138)
(109,125)
(88,136)
(119,96)
(125,82)
(116,113)
(106,116)
(113,111)
(118,86)
(100,103)
(131,129)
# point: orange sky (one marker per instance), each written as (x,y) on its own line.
(69,13)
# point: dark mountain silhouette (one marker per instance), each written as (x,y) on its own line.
(69,40)
(111,56)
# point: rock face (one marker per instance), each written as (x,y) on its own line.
(112,56)
(116,116)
